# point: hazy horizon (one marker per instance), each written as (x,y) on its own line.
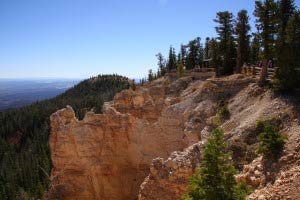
(15,93)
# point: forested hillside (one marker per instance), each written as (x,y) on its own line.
(24,150)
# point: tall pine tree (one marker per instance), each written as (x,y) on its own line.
(195,54)
(172,59)
(287,75)
(285,78)
(150,75)
(266,24)
(214,55)
(255,49)
(286,10)
(161,64)
(243,39)
(206,48)
(226,41)
(183,54)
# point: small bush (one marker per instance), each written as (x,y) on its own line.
(260,126)
(241,191)
(224,113)
(271,141)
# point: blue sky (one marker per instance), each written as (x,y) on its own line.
(82,38)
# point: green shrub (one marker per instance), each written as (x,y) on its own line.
(241,191)
(260,126)
(224,113)
(215,179)
(271,141)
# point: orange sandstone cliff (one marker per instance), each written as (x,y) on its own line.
(148,142)
(107,156)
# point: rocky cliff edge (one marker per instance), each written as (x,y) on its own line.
(148,142)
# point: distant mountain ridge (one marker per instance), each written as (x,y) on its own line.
(16,93)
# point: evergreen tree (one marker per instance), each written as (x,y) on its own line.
(214,55)
(266,24)
(271,141)
(191,56)
(172,59)
(150,75)
(230,58)
(180,68)
(161,64)
(287,76)
(255,49)
(179,58)
(243,39)
(183,54)
(215,178)
(206,48)
(226,41)
(195,54)
(200,53)
(286,10)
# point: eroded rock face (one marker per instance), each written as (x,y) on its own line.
(88,156)
(126,153)
(247,103)
(253,174)
(107,156)
(168,178)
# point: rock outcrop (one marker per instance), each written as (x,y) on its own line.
(107,156)
(168,178)
(148,142)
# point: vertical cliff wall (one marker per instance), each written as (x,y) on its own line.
(107,156)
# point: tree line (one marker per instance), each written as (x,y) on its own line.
(275,40)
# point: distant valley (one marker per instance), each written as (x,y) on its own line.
(16,93)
